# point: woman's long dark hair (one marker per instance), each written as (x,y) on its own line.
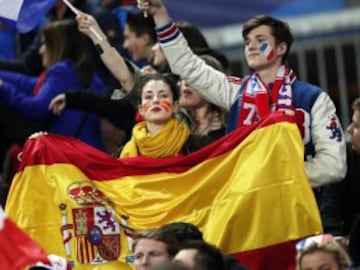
(64,41)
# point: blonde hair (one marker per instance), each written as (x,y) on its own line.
(334,248)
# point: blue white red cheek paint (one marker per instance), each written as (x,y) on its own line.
(267,50)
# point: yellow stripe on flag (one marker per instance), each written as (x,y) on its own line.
(253,196)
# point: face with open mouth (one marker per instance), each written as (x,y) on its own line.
(189,98)
(157,104)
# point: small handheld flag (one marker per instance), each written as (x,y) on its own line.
(24,15)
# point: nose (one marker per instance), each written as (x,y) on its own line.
(252,45)
(155,99)
(125,44)
(145,260)
(41,49)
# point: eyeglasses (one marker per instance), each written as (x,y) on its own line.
(318,239)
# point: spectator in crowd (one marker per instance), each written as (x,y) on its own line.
(65,57)
(119,110)
(170,266)
(204,118)
(186,232)
(139,37)
(341,201)
(68,67)
(152,247)
(267,45)
(30,61)
(160,134)
(340,207)
(321,252)
(200,255)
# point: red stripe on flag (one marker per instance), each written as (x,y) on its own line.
(279,257)
(39,152)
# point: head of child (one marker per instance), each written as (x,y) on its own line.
(158,100)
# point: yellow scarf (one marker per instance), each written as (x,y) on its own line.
(165,143)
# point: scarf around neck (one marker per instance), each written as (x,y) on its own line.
(256,102)
(165,143)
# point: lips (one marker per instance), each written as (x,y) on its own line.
(155,109)
(187,92)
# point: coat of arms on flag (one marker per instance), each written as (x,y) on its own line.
(256,172)
(95,227)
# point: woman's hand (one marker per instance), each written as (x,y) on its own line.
(89,26)
(58,104)
(38,134)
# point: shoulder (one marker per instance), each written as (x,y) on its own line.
(309,88)
(61,66)
(306,93)
(196,142)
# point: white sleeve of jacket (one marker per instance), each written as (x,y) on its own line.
(210,83)
(329,163)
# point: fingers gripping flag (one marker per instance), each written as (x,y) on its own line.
(24,14)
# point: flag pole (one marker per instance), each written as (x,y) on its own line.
(76,12)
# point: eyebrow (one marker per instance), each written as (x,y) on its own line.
(160,91)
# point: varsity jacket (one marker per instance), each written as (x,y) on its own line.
(323,137)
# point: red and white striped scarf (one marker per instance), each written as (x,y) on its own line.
(258,100)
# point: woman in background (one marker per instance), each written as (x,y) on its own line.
(68,66)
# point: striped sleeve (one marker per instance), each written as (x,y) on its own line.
(168,32)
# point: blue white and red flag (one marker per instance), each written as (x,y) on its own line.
(24,15)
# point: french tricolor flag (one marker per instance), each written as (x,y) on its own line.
(267,50)
(24,14)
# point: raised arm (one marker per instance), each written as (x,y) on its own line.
(109,55)
(212,84)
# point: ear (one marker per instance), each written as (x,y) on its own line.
(146,39)
(281,48)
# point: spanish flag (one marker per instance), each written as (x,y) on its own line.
(247,192)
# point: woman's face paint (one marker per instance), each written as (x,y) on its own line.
(157,104)
(267,51)
(146,106)
(166,105)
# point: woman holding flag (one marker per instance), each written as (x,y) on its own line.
(160,135)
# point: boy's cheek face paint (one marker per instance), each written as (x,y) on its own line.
(166,105)
(267,51)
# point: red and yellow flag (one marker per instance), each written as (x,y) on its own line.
(247,192)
